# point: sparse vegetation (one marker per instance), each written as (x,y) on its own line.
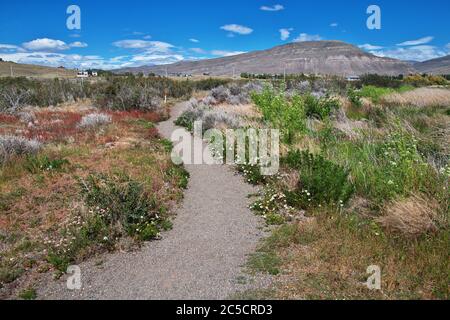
(64,196)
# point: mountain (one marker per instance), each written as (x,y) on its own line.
(314,57)
(434,66)
(28,70)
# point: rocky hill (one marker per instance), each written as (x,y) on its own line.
(315,57)
(435,66)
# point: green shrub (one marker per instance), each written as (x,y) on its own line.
(320,108)
(40,163)
(322,182)
(180,173)
(287,115)
(354,97)
(252,173)
(28,294)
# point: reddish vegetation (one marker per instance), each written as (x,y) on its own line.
(54,126)
(149,116)
(152,133)
(4,118)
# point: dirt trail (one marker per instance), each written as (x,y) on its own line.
(200,258)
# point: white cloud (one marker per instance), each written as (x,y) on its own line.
(277,7)
(10,48)
(448,47)
(153,46)
(46,44)
(235,28)
(147,37)
(369,47)
(334,24)
(78,44)
(155,59)
(414,53)
(285,33)
(198,50)
(194,40)
(223,53)
(417,42)
(307,37)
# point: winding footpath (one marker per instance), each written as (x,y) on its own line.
(202,257)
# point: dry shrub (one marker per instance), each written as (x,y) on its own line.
(95,120)
(352,129)
(422,97)
(411,217)
(11,146)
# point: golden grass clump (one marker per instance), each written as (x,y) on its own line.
(422,97)
(411,217)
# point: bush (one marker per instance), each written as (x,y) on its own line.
(209,84)
(354,97)
(123,202)
(287,115)
(234,94)
(381,81)
(320,108)
(210,118)
(321,181)
(18,92)
(194,112)
(216,118)
(11,146)
(94,120)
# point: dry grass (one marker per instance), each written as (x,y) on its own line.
(328,257)
(27,70)
(411,217)
(248,111)
(422,97)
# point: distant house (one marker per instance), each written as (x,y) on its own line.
(87,74)
(61,67)
(353,78)
(83,74)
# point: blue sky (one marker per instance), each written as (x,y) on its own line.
(131,33)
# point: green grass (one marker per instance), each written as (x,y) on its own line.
(376,93)
(28,294)
(266,259)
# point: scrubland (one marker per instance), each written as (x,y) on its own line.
(364,181)
(364,177)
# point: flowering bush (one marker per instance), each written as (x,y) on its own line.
(123,202)
(273,207)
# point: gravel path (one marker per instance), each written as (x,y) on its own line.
(200,258)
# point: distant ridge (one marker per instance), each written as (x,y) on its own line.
(434,66)
(29,70)
(314,57)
